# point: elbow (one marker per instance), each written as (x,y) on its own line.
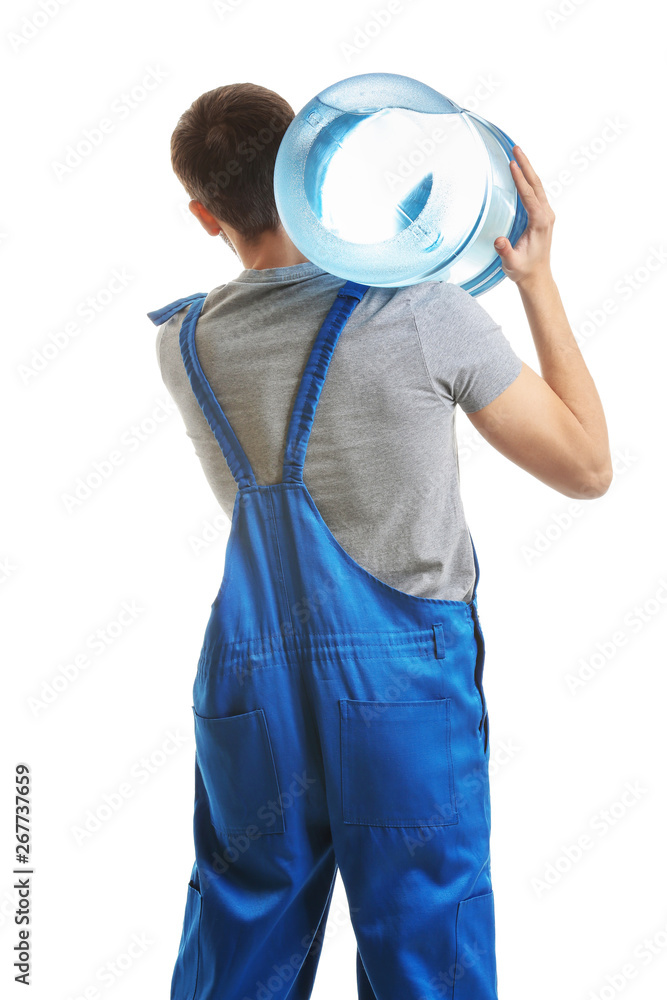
(596,483)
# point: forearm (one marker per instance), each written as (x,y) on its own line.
(562,365)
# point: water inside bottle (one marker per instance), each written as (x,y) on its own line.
(369,177)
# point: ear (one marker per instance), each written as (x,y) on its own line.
(205,218)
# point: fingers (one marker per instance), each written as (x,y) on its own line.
(506,252)
(528,174)
(525,189)
(527,169)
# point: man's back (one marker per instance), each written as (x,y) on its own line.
(381,464)
(311,666)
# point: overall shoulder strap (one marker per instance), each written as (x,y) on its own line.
(310,387)
(234,454)
(308,393)
(160,316)
(217,421)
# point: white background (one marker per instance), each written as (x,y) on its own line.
(560,579)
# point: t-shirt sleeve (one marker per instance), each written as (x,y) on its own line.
(469,359)
(158,345)
(167,340)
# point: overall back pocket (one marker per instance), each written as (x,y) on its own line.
(397,763)
(235,757)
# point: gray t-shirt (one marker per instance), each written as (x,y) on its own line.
(382,462)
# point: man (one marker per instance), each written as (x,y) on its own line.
(339,711)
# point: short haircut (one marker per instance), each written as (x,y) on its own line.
(223,151)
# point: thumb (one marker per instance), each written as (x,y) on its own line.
(502,245)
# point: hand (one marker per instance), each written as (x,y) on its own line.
(529,258)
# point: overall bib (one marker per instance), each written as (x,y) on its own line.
(339,723)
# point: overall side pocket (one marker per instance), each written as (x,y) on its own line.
(186,969)
(479,673)
(475,976)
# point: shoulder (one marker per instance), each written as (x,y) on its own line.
(452,322)
(169,319)
(168,333)
(442,300)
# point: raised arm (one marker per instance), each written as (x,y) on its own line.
(552,425)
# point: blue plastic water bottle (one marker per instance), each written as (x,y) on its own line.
(383,180)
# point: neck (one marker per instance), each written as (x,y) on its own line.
(273,249)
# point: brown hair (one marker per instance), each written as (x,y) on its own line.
(223,151)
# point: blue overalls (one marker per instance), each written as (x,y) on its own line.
(339,723)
